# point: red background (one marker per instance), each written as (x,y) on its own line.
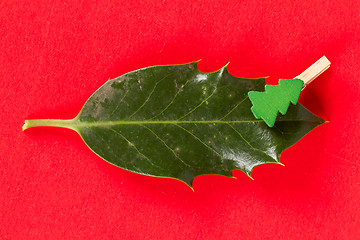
(55,54)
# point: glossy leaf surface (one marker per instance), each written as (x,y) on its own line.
(175,121)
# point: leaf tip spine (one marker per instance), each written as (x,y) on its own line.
(281,164)
(189,184)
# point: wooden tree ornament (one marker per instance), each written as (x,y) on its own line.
(277,98)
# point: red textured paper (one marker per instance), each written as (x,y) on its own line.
(55,54)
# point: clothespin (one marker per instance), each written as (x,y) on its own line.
(314,71)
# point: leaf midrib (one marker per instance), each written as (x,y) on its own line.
(175,122)
(77,124)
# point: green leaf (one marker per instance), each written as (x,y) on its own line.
(276,98)
(175,121)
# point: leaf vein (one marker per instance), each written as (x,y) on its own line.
(118,105)
(167,146)
(199,105)
(242,137)
(78,125)
(200,140)
(109,147)
(133,145)
(233,108)
(148,98)
(172,101)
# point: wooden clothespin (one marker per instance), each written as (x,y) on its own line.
(314,70)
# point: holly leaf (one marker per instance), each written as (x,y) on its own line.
(175,121)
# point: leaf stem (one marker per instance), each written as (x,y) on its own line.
(69,123)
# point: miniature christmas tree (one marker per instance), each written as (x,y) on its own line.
(276,98)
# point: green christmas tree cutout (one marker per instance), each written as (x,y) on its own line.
(276,98)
